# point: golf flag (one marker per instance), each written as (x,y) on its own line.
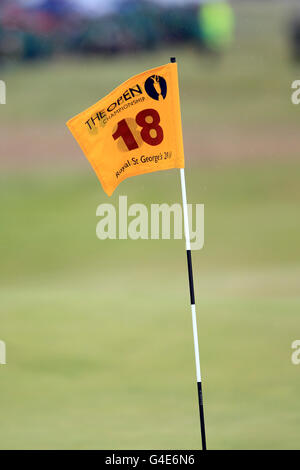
(135,129)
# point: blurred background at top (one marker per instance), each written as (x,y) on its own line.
(33,29)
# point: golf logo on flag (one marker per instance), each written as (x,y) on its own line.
(135,129)
(156,87)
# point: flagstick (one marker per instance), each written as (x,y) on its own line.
(192,295)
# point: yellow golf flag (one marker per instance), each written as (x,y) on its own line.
(135,129)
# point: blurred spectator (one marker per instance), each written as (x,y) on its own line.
(216,24)
(295,36)
(94,8)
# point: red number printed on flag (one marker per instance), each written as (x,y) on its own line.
(126,134)
(147,129)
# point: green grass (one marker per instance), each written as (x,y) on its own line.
(98,333)
(93,374)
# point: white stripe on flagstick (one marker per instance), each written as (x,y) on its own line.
(196,345)
(185,211)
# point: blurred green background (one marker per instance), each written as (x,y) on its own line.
(98,333)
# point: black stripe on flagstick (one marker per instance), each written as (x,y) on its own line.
(201,409)
(200,396)
(191,279)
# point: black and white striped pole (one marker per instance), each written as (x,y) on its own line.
(193,307)
(192,296)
